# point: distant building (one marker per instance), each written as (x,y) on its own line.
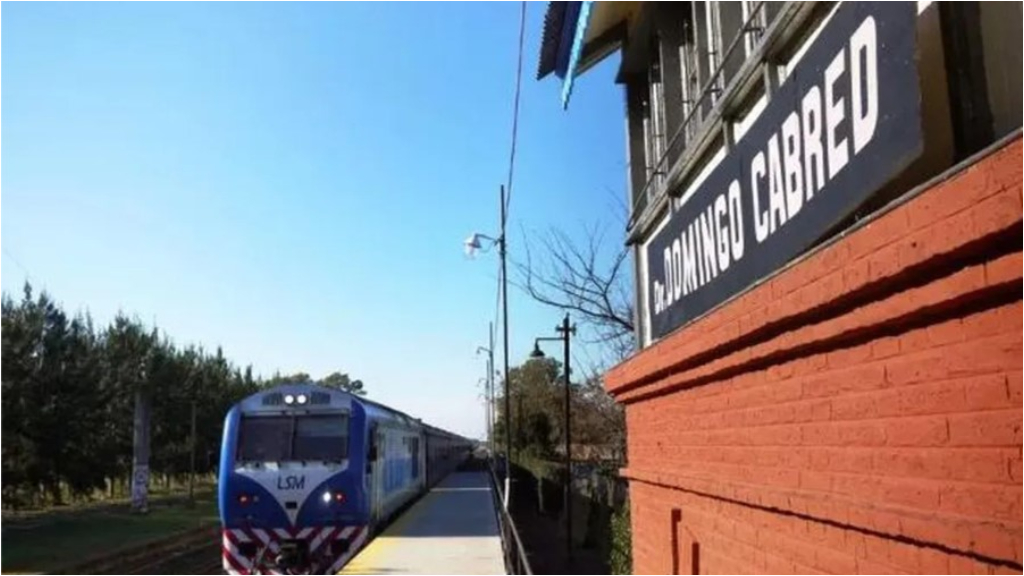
(826,237)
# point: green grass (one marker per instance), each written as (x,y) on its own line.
(61,539)
(158,491)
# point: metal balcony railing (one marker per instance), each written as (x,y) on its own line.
(700,119)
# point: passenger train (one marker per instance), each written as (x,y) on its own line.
(308,474)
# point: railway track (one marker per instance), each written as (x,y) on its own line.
(204,559)
(193,552)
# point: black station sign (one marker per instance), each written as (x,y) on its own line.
(845,121)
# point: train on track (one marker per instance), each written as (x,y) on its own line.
(308,474)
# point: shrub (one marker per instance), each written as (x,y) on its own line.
(621,560)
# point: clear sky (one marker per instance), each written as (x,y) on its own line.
(293,181)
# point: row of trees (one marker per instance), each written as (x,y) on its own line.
(68,401)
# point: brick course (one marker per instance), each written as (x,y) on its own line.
(859,412)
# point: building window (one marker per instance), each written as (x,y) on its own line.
(695,51)
(690,77)
(636,98)
(732,39)
(656,136)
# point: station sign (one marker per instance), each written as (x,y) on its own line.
(844,122)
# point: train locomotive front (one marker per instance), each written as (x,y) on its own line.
(302,479)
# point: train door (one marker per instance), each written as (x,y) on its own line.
(420,458)
(374,463)
(415,455)
(387,439)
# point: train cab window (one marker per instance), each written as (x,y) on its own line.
(321,437)
(265,439)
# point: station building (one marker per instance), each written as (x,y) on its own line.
(826,238)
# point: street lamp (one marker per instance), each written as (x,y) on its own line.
(566,331)
(489,395)
(473,244)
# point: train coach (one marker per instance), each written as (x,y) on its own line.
(308,474)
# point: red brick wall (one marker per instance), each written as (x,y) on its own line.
(859,412)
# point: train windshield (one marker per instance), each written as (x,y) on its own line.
(306,437)
(321,437)
(265,439)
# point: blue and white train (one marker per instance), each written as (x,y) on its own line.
(308,473)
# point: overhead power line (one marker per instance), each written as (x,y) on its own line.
(515,107)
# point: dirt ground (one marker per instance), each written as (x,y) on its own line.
(543,535)
(544,540)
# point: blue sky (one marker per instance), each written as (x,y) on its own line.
(293,181)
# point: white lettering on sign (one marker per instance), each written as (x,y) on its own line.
(864,82)
(708,246)
(812,145)
(800,173)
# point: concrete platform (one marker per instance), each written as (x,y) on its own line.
(451,530)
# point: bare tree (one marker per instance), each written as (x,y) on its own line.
(593,283)
(592,280)
(583,278)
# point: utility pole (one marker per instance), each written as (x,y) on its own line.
(503,246)
(565,330)
(472,243)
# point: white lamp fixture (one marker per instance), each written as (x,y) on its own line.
(473,244)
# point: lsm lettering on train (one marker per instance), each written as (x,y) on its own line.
(796,162)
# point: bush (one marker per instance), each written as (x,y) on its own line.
(621,559)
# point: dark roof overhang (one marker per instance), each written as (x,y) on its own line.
(560,23)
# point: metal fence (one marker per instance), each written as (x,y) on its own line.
(516,560)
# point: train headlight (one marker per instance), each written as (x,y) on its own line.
(329,496)
(301,399)
(289,399)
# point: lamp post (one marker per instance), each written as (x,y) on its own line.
(472,244)
(566,331)
(489,393)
